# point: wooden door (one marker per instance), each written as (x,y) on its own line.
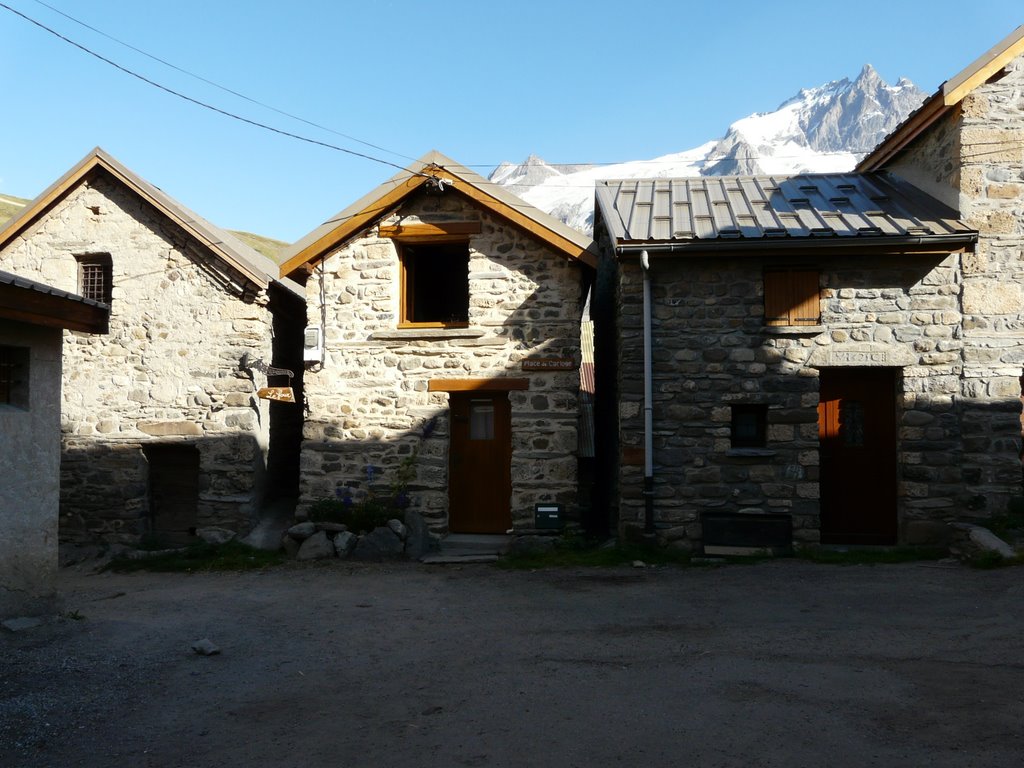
(857,433)
(173,491)
(479,475)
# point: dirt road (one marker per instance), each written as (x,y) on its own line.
(779,664)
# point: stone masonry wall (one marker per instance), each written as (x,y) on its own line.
(978,153)
(369,404)
(167,371)
(712,350)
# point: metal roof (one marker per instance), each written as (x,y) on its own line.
(254,265)
(433,166)
(42,304)
(8,278)
(805,210)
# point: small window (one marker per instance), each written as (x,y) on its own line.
(791,297)
(14,376)
(748,426)
(95,277)
(435,285)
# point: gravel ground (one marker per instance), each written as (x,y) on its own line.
(777,664)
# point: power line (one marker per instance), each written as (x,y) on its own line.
(218,85)
(203,104)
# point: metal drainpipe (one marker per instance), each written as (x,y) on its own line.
(648,401)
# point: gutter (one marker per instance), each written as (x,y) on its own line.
(648,492)
(756,247)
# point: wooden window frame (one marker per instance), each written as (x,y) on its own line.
(88,265)
(792,296)
(407,270)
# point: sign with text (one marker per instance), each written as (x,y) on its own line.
(549,364)
(280,394)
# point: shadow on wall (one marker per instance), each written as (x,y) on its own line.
(408,469)
(119,491)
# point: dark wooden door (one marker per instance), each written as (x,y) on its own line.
(479,476)
(173,491)
(857,430)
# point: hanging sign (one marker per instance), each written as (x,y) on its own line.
(549,364)
(281,394)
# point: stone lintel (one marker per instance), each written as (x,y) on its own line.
(169,428)
(861,355)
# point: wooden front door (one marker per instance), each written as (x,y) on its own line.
(857,433)
(173,491)
(479,474)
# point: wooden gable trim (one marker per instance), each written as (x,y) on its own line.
(316,250)
(378,208)
(983,68)
(520,219)
(430,231)
(948,96)
(502,384)
(80,173)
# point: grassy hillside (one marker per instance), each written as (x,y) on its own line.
(265,245)
(10,206)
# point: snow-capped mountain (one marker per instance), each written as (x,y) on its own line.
(820,130)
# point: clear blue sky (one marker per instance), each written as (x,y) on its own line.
(571,81)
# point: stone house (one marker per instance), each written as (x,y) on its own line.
(31,318)
(965,146)
(804,376)
(163,429)
(443,350)
(833,358)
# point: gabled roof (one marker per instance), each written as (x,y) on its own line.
(433,168)
(39,304)
(256,267)
(768,212)
(948,96)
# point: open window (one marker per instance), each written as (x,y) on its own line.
(791,297)
(14,376)
(95,277)
(435,285)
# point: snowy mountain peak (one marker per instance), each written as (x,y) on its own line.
(823,129)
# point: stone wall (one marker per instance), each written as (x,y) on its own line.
(168,370)
(369,404)
(712,350)
(977,153)
(30,467)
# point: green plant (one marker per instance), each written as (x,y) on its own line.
(74,615)
(363,509)
(232,556)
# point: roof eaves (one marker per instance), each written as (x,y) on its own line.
(948,95)
(255,267)
(433,165)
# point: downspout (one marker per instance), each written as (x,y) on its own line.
(648,401)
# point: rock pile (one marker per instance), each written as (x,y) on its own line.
(309,540)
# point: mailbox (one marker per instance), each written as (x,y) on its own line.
(548,516)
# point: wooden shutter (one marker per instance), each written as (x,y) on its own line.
(806,309)
(791,297)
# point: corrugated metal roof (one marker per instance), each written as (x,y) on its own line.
(8,278)
(728,211)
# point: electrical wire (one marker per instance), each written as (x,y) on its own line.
(307,139)
(204,104)
(202,79)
